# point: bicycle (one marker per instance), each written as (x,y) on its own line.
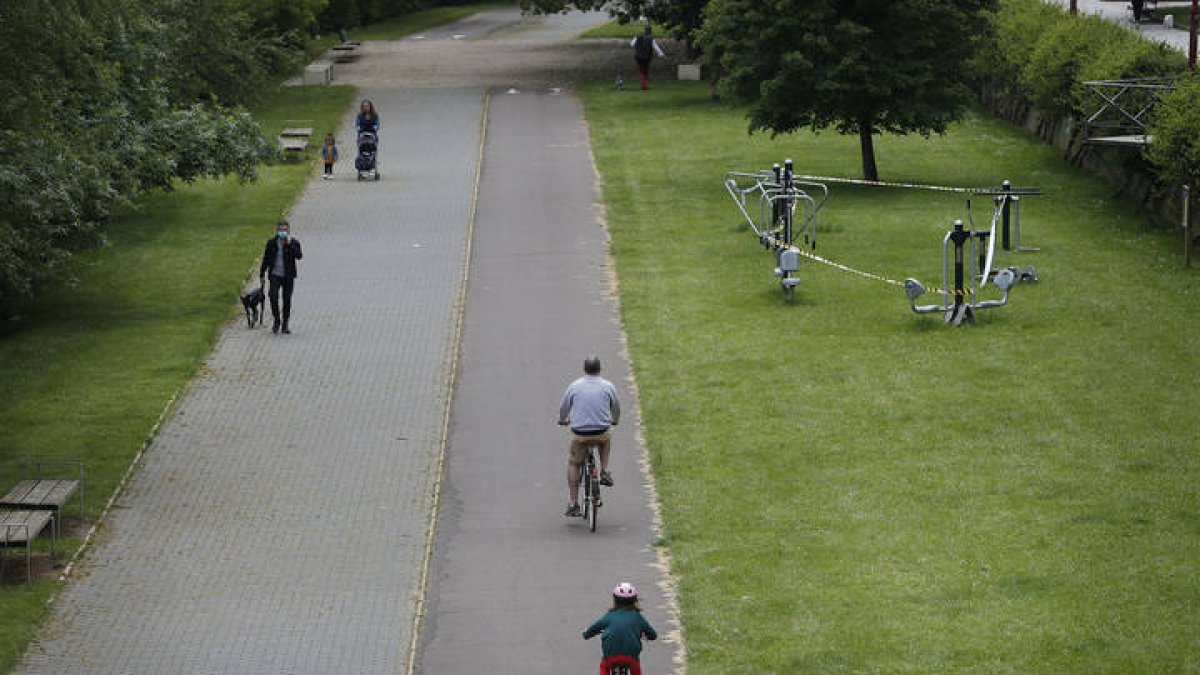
(620,665)
(589,485)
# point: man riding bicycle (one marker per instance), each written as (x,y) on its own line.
(591,407)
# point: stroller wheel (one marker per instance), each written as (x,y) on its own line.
(376,175)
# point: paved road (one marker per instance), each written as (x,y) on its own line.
(513,578)
(1117,12)
(280,519)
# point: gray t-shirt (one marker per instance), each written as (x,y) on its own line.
(590,404)
(278,269)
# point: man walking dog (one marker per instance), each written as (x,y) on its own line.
(279,258)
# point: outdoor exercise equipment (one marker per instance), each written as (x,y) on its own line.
(961,294)
(787,211)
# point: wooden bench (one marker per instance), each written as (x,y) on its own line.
(19,528)
(297,132)
(347,51)
(293,145)
(46,494)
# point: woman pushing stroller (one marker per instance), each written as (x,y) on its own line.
(368,119)
(367,124)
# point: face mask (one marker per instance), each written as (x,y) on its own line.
(282,234)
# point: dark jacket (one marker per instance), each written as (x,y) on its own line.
(643,48)
(367,124)
(291,253)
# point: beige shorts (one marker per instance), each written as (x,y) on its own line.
(579,445)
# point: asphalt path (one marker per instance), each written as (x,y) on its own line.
(514,582)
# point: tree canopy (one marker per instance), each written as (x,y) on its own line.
(113,98)
(861,66)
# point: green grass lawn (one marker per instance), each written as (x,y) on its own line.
(88,368)
(616,29)
(850,487)
(1183,16)
(423,20)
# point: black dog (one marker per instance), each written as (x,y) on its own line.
(252,302)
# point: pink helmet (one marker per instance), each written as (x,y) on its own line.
(625,590)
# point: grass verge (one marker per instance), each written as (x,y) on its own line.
(616,29)
(1182,20)
(86,371)
(850,487)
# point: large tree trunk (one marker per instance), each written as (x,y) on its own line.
(714,83)
(866,138)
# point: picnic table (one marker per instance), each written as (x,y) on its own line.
(293,145)
(294,139)
(42,493)
(347,51)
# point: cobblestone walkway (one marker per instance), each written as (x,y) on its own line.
(278,523)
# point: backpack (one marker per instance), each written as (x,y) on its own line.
(643,48)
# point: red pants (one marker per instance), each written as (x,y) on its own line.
(644,73)
(606,665)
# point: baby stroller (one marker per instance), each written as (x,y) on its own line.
(365,163)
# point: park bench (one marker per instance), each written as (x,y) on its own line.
(294,140)
(46,494)
(293,146)
(345,52)
(19,528)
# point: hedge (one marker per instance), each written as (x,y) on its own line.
(1038,56)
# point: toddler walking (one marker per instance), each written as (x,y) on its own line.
(329,154)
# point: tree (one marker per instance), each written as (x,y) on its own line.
(89,121)
(861,66)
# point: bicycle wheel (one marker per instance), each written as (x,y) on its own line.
(593,492)
(593,510)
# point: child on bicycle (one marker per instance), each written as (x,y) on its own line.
(623,627)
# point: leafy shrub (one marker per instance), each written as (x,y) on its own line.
(1018,27)
(1175,151)
(104,107)
(1042,54)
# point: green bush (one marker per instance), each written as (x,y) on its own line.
(1175,151)
(1018,27)
(1043,55)
(1040,55)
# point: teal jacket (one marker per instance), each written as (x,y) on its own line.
(623,629)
